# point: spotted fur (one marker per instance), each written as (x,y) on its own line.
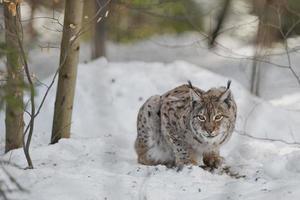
(186,125)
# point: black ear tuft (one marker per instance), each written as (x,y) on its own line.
(190,84)
(228,84)
(195,96)
(226,95)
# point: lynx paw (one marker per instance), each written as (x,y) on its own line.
(181,163)
(212,160)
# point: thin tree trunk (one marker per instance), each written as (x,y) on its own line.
(99,35)
(14,122)
(255,76)
(32,31)
(265,37)
(68,71)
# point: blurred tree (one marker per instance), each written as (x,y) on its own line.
(139,19)
(14,123)
(99,33)
(267,12)
(2,88)
(220,21)
(278,20)
(34,5)
(69,57)
(51,4)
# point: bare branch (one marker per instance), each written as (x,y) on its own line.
(221,18)
(245,134)
(32,92)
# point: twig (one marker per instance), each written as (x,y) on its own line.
(32,104)
(221,18)
(244,133)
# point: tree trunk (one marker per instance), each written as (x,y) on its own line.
(14,123)
(69,57)
(267,34)
(99,35)
(32,32)
(255,76)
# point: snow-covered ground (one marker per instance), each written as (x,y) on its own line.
(99,161)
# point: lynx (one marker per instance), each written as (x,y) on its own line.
(185,126)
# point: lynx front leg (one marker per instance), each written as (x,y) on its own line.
(212,159)
(175,138)
(183,155)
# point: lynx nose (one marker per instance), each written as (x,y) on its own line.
(209,129)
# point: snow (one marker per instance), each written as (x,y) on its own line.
(99,162)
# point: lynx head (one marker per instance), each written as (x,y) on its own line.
(212,113)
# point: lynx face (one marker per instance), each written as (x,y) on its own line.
(210,117)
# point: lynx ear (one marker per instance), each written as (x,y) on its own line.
(226,94)
(194,94)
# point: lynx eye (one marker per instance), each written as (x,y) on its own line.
(218,117)
(202,118)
